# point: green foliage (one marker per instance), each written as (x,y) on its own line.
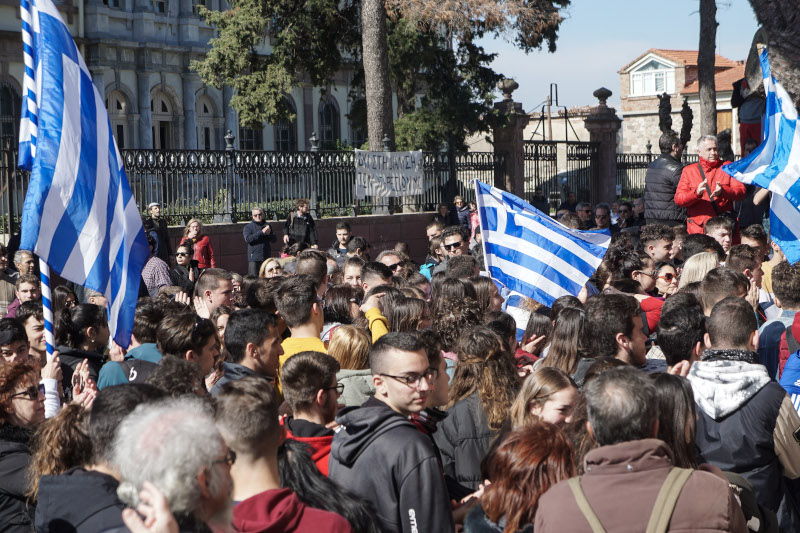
(455,83)
(307,38)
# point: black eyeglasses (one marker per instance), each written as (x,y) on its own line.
(601,216)
(181,254)
(413,380)
(229,458)
(31,392)
(397,265)
(452,245)
(339,388)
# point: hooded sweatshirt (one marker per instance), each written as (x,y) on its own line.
(281,511)
(318,437)
(84,500)
(745,425)
(384,459)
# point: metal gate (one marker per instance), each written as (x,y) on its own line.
(561,167)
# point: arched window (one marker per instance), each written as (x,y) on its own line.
(161,109)
(118,109)
(10,109)
(206,139)
(286,131)
(251,139)
(329,131)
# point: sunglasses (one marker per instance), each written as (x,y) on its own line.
(181,254)
(398,265)
(31,392)
(585,210)
(601,216)
(669,276)
(649,273)
(452,245)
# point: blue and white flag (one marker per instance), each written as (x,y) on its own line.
(775,164)
(79,215)
(532,254)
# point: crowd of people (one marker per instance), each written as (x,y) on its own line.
(334,391)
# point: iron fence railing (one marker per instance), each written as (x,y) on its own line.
(631,170)
(224,185)
(559,167)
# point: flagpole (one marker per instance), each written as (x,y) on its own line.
(47,308)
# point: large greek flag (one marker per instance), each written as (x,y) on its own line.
(79,214)
(532,254)
(775,164)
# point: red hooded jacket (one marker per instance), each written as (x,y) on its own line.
(281,511)
(320,446)
(698,208)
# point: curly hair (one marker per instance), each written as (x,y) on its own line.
(485,367)
(11,376)
(452,316)
(527,463)
(59,443)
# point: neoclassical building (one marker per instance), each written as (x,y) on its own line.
(139,52)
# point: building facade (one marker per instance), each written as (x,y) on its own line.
(673,72)
(139,52)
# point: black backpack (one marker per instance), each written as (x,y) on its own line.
(136,370)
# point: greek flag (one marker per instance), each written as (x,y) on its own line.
(775,164)
(79,216)
(532,254)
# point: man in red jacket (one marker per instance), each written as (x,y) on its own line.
(705,190)
(247,418)
(312,393)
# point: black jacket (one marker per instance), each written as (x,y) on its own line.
(384,459)
(477,522)
(337,254)
(231,372)
(258,248)
(464,438)
(164,248)
(660,184)
(71,358)
(15,457)
(179,276)
(300,229)
(78,501)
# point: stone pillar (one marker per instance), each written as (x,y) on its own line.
(603,126)
(145,115)
(190,83)
(509,141)
(227,110)
(99,81)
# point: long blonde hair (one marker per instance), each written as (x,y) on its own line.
(696,267)
(536,390)
(199,227)
(350,346)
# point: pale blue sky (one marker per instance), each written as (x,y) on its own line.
(599,37)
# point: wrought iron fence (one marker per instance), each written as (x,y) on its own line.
(631,170)
(224,185)
(559,167)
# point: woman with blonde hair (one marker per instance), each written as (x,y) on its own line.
(271,268)
(350,346)
(203,253)
(696,267)
(547,395)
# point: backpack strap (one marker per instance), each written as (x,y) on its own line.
(583,504)
(666,500)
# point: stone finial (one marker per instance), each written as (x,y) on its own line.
(602,94)
(508,86)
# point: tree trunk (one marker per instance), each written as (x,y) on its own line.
(779,19)
(705,67)
(376,73)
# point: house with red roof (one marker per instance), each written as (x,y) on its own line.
(675,72)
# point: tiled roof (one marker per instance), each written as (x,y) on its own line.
(683,57)
(723,81)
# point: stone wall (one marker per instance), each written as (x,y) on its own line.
(381,231)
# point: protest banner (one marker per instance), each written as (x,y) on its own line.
(388,174)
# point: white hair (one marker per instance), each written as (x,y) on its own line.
(705,138)
(168,443)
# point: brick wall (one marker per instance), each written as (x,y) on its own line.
(381,231)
